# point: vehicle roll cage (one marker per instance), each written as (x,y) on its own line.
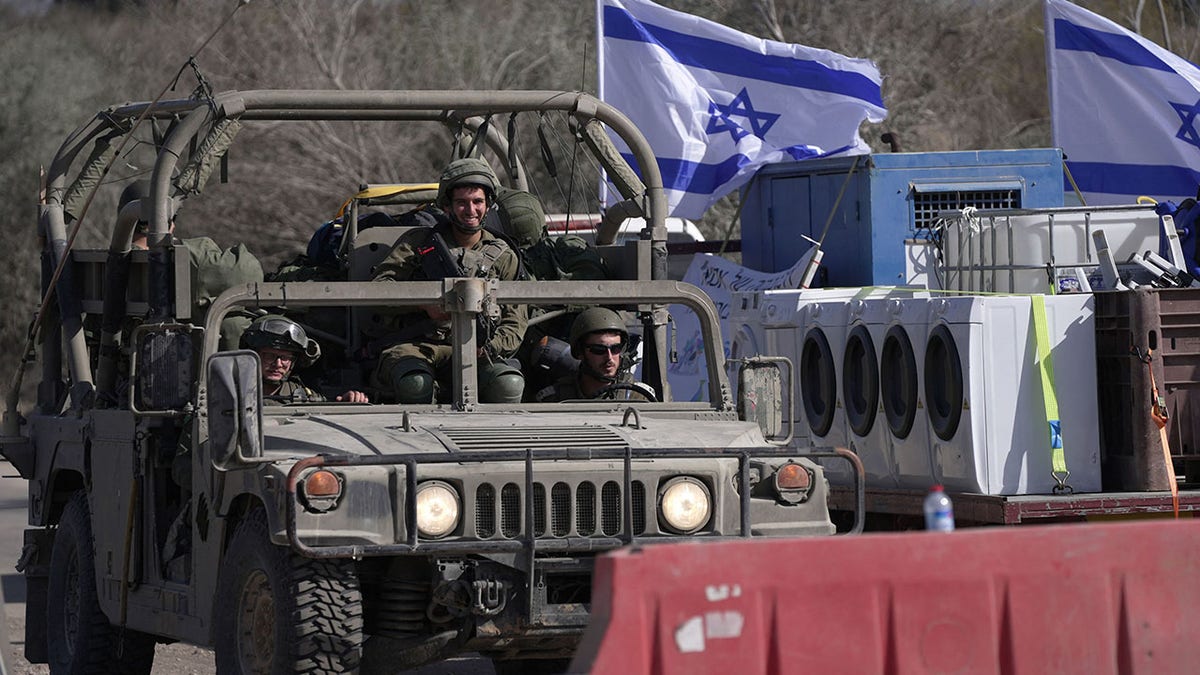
(191,120)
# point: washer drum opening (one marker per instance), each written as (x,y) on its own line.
(818,381)
(898,381)
(860,381)
(943,383)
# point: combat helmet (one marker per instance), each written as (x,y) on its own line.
(279,332)
(595,320)
(467,171)
(464,172)
(521,216)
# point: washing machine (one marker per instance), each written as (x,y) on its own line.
(821,352)
(782,314)
(983,393)
(901,379)
(866,426)
(746,332)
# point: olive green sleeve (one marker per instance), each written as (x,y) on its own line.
(402,262)
(513,318)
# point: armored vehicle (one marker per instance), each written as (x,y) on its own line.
(169,502)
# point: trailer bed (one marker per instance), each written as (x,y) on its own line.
(976,509)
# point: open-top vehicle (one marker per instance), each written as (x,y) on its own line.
(332,537)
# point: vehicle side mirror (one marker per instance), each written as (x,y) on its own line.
(234,407)
(760,396)
(164,368)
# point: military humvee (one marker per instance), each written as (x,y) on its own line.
(326,537)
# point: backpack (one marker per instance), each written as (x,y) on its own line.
(213,270)
(577,259)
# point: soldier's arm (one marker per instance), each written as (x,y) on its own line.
(402,262)
(513,318)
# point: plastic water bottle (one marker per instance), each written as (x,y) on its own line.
(939,512)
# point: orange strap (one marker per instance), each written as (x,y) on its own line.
(1160,415)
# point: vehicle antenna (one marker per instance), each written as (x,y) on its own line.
(15,387)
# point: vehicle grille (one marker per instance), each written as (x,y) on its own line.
(579,510)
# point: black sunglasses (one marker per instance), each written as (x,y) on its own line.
(601,350)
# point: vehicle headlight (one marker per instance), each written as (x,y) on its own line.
(684,504)
(437,509)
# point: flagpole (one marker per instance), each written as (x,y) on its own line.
(602,189)
(1049,42)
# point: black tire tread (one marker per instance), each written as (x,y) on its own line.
(320,605)
(103,652)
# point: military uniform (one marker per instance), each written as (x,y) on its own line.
(292,390)
(567,388)
(419,336)
(568,257)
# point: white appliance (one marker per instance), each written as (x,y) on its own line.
(821,351)
(982,389)
(746,333)
(780,321)
(901,380)
(866,426)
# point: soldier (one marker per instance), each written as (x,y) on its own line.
(598,340)
(420,350)
(544,350)
(281,343)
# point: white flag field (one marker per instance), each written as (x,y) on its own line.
(715,104)
(1125,111)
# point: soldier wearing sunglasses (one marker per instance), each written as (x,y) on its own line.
(598,339)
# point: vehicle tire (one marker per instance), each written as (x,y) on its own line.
(80,638)
(278,612)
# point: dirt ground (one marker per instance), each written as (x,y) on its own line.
(176,659)
(182,659)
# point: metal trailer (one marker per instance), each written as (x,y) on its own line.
(888,510)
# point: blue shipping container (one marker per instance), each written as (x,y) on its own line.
(888,198)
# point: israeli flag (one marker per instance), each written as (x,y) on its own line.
(1123,109)
(716,104)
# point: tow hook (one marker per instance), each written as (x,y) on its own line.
(489,595)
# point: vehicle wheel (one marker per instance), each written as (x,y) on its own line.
(80,638)
(277,612)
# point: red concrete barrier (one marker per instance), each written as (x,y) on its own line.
(1095,599)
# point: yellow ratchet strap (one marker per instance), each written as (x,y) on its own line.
(1058,458)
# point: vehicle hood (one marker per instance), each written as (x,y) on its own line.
(312,433)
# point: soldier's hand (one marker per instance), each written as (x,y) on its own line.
(353,397)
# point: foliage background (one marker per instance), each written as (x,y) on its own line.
(959,75)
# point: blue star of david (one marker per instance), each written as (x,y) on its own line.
(1187,131)
(740,106)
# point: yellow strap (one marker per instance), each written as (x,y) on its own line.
(1058,458)
(386,191)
